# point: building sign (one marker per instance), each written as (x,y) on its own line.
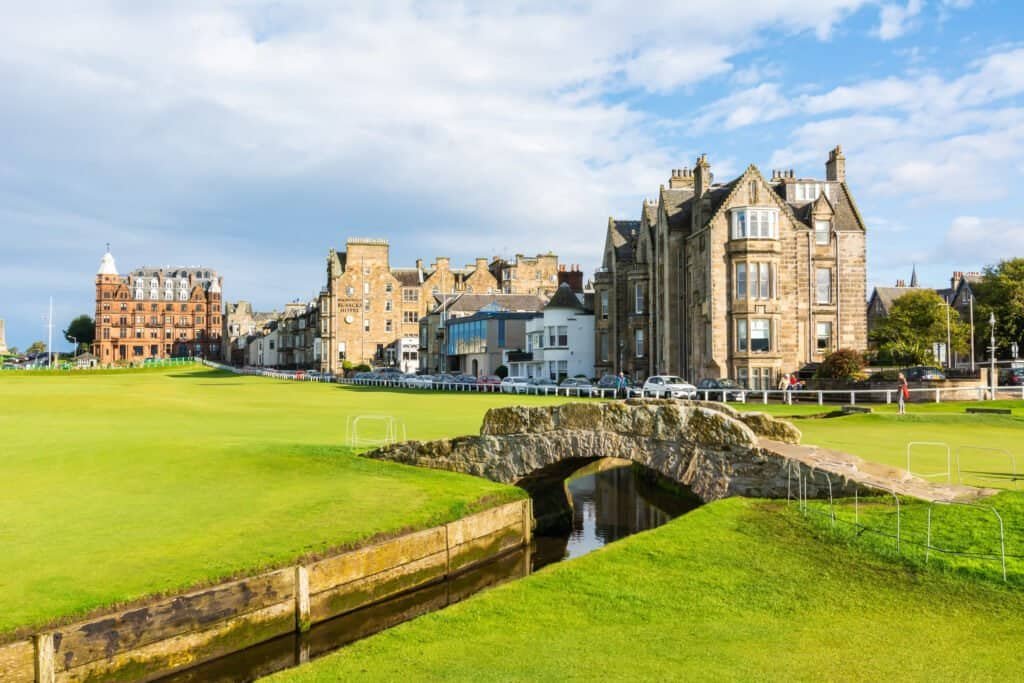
(349,305)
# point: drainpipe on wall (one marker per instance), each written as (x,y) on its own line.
(811,274)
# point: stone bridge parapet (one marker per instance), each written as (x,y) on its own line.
(711,448)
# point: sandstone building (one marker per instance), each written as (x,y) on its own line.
(746,279)
(367,304)
(156,313)
(240,321)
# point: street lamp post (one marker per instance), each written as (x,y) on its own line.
(972,332)
(992,353)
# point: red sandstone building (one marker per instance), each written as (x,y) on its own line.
(156,313)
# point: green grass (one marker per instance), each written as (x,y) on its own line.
(736,590)
(965,540)
(137,482)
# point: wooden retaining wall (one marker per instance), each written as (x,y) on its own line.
(146,642)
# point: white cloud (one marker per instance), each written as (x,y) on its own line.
(984,240)
(894,19)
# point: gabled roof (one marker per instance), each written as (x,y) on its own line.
(624,234)
(678,206)
(407,277)
(471,303)
(564,297)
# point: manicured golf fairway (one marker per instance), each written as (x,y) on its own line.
(736,590)
(120,485)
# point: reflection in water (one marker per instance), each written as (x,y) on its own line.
(609,504)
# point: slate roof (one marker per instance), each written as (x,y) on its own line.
(408,277)
(888,295)
(471,303)
(564,297)
(200,273)
(624,239)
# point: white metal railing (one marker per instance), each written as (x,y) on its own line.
(820,397)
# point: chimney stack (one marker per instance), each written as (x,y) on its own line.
(681,177)
(835,167)
(419,264)
(573,277)
(481,264)
(901,283)
(701,176)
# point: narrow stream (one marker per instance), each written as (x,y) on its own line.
(610,500)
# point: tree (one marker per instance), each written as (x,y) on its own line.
(843,364)
(82,331)
(915,323)
(36,347)
(13,350)
(1000,291)
(501,371)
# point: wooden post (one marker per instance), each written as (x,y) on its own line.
(45,658)
(302,619)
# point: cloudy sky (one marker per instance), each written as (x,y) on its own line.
(252,136)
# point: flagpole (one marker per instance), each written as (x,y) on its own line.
(49,335)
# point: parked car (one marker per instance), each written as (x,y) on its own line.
(418,381)
(1014,377)
(668,386)
(444,378)
(488,381)
(514,385)
(465,379)
(720,389)
(575,382)
(924,373)
(542,384)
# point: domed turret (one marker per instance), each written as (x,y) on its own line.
(107,265)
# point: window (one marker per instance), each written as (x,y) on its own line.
(808,192)
(761,286)
(366,326)
(366,304)
(603,347)
(741,335)
(410,316)
(350,291)
(821,232)
(638,296)
(824,335)
(366,288)
(387,305)
(604,304)
(760,335)
(563,335)
(741,377)
(410,295)
(638,342)
(754,224)
(741,280)
(388,287)
(823,288)
(387,325)
(752,191)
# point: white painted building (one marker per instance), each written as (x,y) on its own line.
(560,343)
(262,350)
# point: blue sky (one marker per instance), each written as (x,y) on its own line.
(251,137)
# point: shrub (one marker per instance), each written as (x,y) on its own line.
(842,364)
(501,371)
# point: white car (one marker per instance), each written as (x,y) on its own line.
(514,385)
(418,381)
(668,386)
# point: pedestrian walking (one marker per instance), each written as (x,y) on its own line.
(620,385)
(904,394)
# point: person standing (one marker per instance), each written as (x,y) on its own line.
(783,382)
(620,385)
(904,394)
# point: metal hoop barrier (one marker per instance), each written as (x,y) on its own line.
(948,473)
(988,476)
(929,547)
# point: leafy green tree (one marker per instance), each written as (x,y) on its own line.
(36,347)
(13,350)
(916,321)
(1001,291)
(81,330)
(844,364)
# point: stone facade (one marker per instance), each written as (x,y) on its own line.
(527,274)
(156,313)
(367,305)
(240,321)
(747,279)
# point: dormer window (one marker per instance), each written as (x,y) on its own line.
(755,224)
(808,192)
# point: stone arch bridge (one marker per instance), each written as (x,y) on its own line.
(709,447)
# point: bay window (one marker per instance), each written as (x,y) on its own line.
(755,224)
(760,335)
(741,280)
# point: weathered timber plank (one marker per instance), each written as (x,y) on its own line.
(484,548)
(484,523)
(357,564)
(376,587)
(17,662)
(165,656)
(111,635)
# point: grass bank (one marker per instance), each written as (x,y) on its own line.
(121,485)
(736,590)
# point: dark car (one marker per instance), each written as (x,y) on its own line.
(720,389)
(924,373)
(489,380)
(1014,377)
(612,382)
